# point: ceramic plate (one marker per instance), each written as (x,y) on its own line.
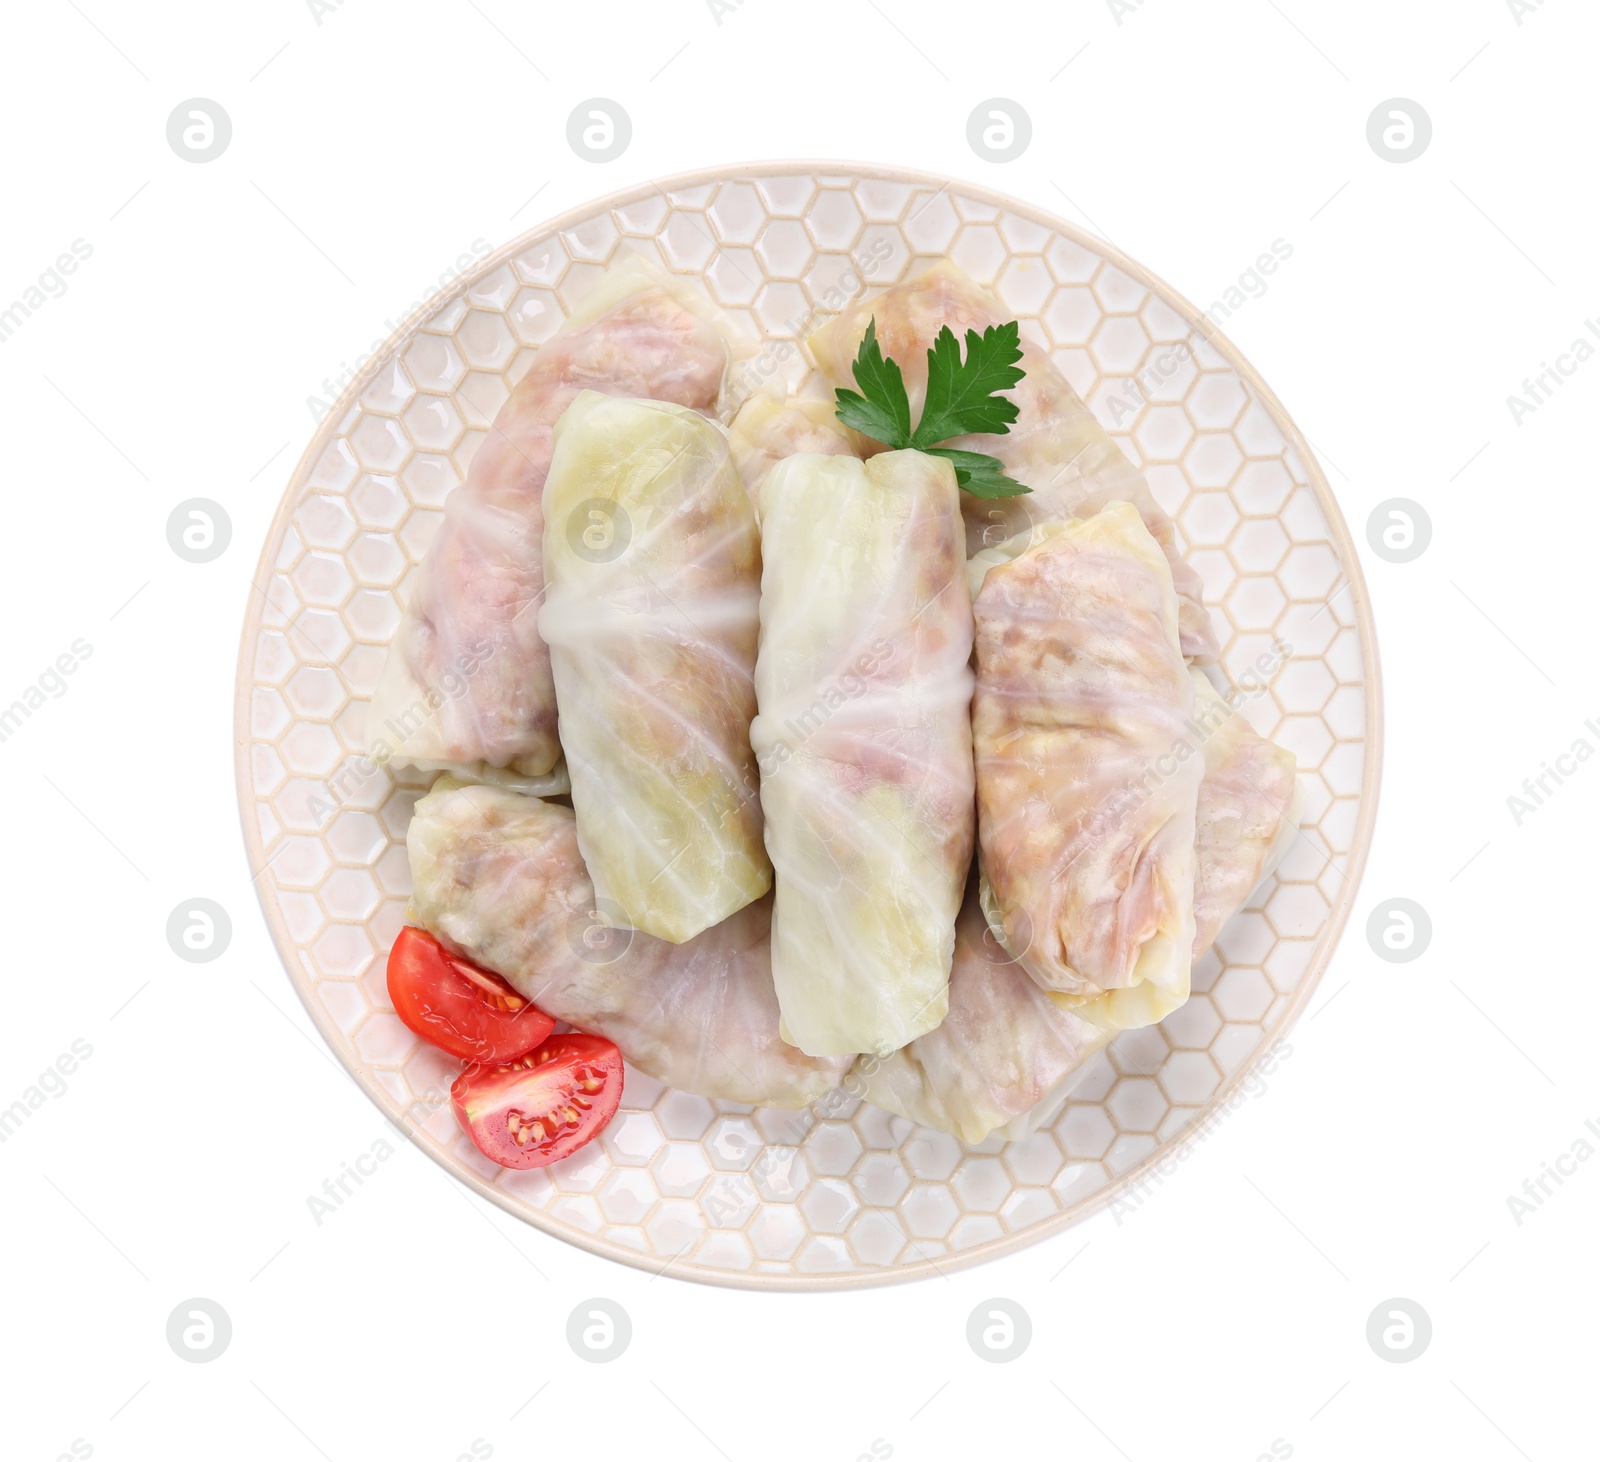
(711,1190)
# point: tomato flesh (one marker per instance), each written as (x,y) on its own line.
(466,1011)
(541,1107)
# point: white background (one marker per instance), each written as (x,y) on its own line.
(418,1319)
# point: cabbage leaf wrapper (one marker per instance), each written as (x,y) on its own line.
(466,685)
(1002,1053)
(864,743)
(499,880)
(1247,816)
(1056,447)
(653,563)
(1007,1056)
(1087,769)
(768,428)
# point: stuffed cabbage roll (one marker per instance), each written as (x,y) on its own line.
(1056,447)
(1007,1056)
(1004,1051)
(864,742)
(467,683)
(499,879)
(768,428)
(1247,815)
(1087,776)
(653,565)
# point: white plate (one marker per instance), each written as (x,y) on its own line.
(710,1190)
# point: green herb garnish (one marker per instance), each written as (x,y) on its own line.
(962,397)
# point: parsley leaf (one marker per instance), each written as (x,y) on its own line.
(962,397)
(979,474)
(883,412)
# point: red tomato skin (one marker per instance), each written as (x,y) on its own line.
(454,1005)
(547,1081)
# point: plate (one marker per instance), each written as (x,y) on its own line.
(711,1190)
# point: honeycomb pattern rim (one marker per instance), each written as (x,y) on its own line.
(1165,1149)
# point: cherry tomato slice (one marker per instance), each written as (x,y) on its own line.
(461,1009)
(541,1107)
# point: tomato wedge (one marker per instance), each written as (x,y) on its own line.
(463,1010)
(541,1107)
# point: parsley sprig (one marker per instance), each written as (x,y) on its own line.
(962,397)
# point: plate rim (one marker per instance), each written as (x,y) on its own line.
(1165,1151)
